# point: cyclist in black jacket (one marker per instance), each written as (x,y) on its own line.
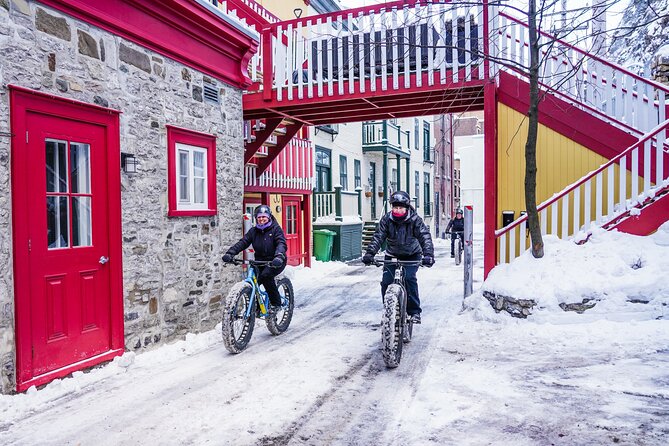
(269,243)
(408,239)
(457,228)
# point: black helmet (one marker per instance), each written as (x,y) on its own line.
(459,211)
(263,209)
(400,198)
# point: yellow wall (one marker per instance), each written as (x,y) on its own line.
(560,162)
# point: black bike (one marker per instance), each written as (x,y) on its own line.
(458,244)
(396,325)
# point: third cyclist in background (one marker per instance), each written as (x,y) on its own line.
(456,228)
(407,238)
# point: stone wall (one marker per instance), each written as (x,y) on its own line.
(661,67)
(173,282)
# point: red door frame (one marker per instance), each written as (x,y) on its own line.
(22,102)
(297,202)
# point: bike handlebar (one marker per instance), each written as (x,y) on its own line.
(248,262)
(394,261)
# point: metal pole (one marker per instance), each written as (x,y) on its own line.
(468,237)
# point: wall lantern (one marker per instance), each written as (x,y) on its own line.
(128,163)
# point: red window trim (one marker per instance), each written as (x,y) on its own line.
(184,136)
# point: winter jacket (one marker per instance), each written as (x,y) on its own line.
(456,225)
(267,243)
(405,238)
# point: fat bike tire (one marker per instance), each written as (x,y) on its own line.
(392,325)
(237,327)
(278,323)
(458,251)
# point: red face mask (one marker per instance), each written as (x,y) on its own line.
(399,212)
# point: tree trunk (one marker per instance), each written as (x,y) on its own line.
(537,243)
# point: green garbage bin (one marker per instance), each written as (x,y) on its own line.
(323,239)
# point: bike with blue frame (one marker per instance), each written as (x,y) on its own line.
(248,300)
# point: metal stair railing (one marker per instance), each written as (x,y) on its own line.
(619,185)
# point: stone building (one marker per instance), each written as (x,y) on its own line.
(125,119)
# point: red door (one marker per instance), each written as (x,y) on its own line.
(292,226)
(64,303)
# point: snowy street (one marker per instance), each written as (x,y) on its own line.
(469,377)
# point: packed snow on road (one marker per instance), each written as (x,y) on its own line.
(470,376)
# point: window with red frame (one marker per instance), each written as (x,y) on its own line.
(191,165)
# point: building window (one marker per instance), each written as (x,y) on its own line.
(427,209)
(426,141)
(191,161)
(358,173)
(417,187)
(393,180)
(323,167)
(343,172)
(416,135)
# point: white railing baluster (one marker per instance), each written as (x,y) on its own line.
(340,55)
(429,49)
(418,53)
(310,61)
(406,47)
(442,44)
(320,40)
(331,40)
(598,197)
(522,239)
(468,45)
(544,221)
(513,252)
(554,219)
(373,45)
(279,60)
(289,61)
(660,157)
(454,42)
(587,209)
(577,210)
(361,52)
(565,217)
(622,172)
(351,57)
(481,37)
(635,176)
(646,166)
(299,38)
(395,51)
(610,189)
(384,54)
(502,249)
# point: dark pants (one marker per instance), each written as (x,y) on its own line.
(453,236)
(266,279)
(410,282)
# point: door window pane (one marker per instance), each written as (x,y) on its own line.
(81,221)
(56,166)
(57,222)
(80,168)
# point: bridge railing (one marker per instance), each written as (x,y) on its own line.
(384,133)
(599,197)
(612,93)
(392,46)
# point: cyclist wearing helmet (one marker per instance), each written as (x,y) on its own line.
(457,228)
(407,239)
(269,243)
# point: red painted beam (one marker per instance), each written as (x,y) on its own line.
(261,138)
(281,142)
(653,214)
(490,182)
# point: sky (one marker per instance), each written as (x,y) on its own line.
(470,376)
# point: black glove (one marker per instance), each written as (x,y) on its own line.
(428,260)
(277,262)
(227,258)
(368,258)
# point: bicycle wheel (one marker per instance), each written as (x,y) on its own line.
(237,327)
(458,251)
(392,325)
(279,322)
